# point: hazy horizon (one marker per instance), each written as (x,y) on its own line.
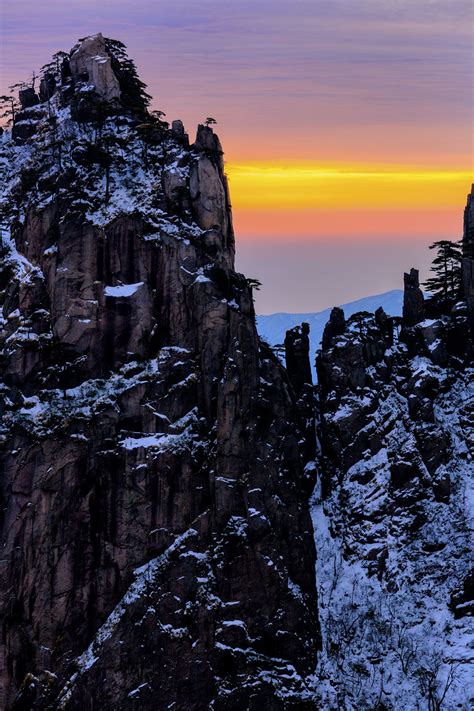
(296,277)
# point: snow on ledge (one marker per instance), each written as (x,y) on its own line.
(162,442)
(122,290)
(154,440)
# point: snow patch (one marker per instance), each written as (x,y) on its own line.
(122,290)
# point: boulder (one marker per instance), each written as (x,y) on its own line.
(207,140)
(177,128)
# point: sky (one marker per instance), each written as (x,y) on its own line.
(346,124)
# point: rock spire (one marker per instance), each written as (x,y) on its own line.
(413,300)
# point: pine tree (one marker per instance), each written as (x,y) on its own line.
(254,283)
(133,93)
(9,105)
(50,74)
(445,285)
(54,66)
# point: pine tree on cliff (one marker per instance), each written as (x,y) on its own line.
(9,105)
(132,89)
(445,285)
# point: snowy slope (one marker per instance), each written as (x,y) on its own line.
(389,633)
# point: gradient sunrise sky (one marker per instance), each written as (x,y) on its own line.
(346,124)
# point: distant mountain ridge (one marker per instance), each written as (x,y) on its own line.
(272,327)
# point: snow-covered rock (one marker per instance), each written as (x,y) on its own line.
(393,520)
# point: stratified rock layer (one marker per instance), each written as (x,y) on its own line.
(157,544)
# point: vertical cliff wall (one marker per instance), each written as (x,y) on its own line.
(157,547)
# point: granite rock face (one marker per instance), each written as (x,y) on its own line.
(91,62)
(156,537)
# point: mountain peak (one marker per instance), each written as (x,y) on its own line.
(91,62)
(88,138)
(96,79)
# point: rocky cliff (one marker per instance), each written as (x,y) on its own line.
(393,509)
(157,547)
(158,459)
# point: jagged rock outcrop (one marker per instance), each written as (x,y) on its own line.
(391,512)
(386,324)
(335,326)
(413,299)
(208,184)
(157,544)
(47,87)
(350,347)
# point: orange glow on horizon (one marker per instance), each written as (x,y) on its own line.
(309,185)
(342,225)
(301,199)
